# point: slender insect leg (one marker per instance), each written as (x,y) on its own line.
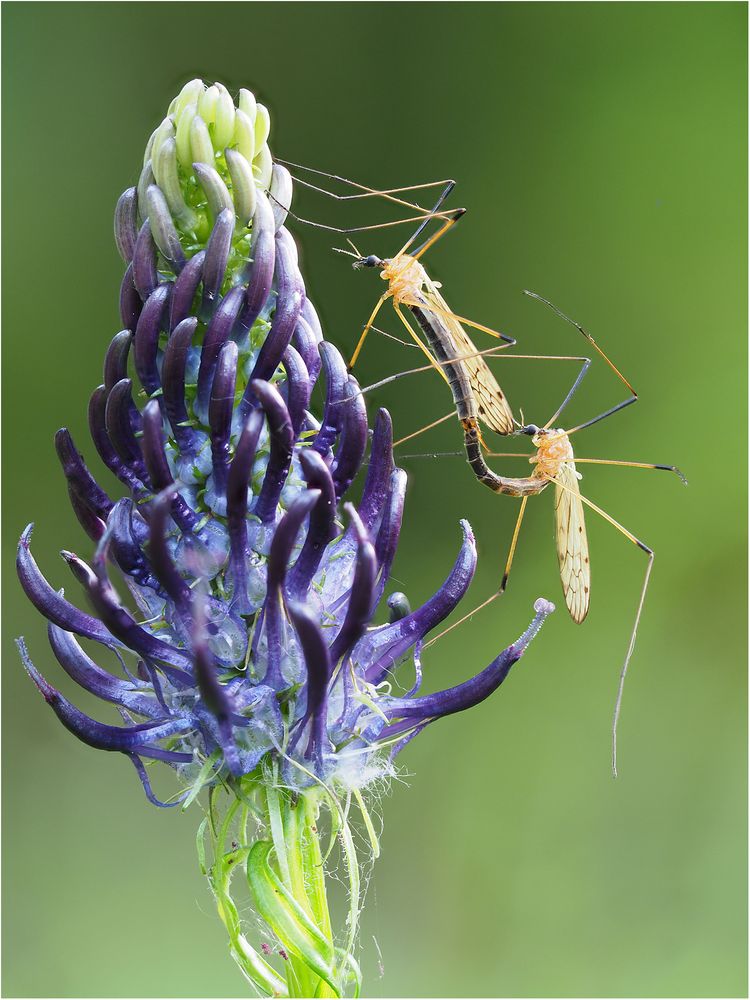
(631,645)
(614,409)
(344,230)
(633,465)
(365,191)
(491,351)
(368,325)
(434,213)
(571,392)
(510,341)
(603,416)
(460,621)
(503,582)
(513,544)
(427,427)
(424,216)
(585,362)
(449,222)
(418,340)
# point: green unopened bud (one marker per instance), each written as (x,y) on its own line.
(206,156)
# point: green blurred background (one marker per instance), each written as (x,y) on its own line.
(600,149)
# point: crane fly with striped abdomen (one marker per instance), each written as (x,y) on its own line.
(477,396)
(475,390)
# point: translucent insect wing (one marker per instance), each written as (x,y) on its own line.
(572,544)
(492,406)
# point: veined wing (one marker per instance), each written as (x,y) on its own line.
(572,544)
(492,406)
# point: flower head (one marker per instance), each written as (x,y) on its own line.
(250,653)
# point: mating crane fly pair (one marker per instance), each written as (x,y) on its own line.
(479,400)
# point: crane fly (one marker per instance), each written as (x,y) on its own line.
(476,393)
(555,464)
(477,396)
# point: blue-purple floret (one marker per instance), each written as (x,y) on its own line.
(255,576)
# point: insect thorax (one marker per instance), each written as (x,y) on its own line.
(405,276)
(553,450)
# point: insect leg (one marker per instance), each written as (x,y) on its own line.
(503,583)
(450,221)
(433,307)
(388,194)
(345,230)
(418,340)
(363,189)
(491,351)
(614,409)
(368,325)
(435,213)
(633,465)
(631,645)
(513,544)
(427,427)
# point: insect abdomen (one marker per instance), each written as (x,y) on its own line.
(498,484)
(441,344)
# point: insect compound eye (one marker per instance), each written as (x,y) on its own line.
(371,261)
(531,429)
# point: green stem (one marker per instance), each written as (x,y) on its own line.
(282,856)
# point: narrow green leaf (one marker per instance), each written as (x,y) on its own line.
(200,844)
(284,915)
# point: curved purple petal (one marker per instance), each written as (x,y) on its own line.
(173,378)
(126,230)
(322,523)
(161,559)
(146,343)
(238,482)
(89,675)
(318,666)
(145,277)
(184,290)
(216,336)
(390,529)
(383,648)
(336,381)
(471,692)
(359,608)
(379,471)
(262,256)
(98,734)
(131,303)
(289,298)
(282,443)
(159,472)
(353,440)
(50,603)
(217,255)
(78,476)
(118,422)
(97,426)
(282,546)
(298,387)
